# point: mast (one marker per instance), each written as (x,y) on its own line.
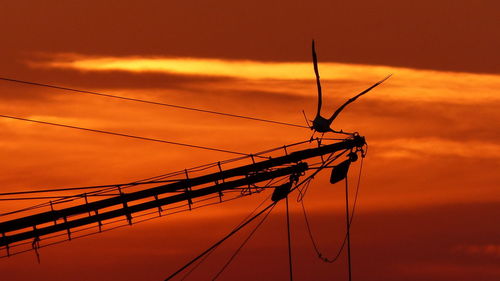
(126,204)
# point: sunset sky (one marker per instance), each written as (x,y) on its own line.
(429,201)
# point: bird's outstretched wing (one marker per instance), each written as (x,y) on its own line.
(318,83)
(337,112)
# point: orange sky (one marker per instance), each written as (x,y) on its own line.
(429,196)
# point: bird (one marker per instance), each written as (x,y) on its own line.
(321,124)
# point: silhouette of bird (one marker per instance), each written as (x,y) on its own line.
(320,123)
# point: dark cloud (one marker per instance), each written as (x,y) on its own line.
(441,34)
(400,118)
(109,79)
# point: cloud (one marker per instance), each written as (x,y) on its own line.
(492,250)
(398,128)
(446,37)
(436,147)
(406,84)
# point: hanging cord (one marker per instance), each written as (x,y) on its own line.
(154,103)
(302,191)
(289,239)
(243,244)
(309,230)
(348,227)
(36,245)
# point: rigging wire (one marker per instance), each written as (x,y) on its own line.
(312,175)
(154,103)
(221,241)
(124,135)
(170,211)
(43,197)
(308,178)
(208,254)
(243,244)
(348,228)
(289,239)
(332,157)
(83,187)
(151,180)
(342,246)
(324,165)
(155,179)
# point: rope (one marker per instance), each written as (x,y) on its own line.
(243,244)
(107,188)
(330,159)
(208,254)
(348,227)
(62,189)
(289,239)
(123,135)
(154,103)
(150,180)
(247,222)
(311,236)
(170,211)
(100,187)
(42,197)
(220,241)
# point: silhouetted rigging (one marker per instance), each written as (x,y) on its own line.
(297,185)
(181,191)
